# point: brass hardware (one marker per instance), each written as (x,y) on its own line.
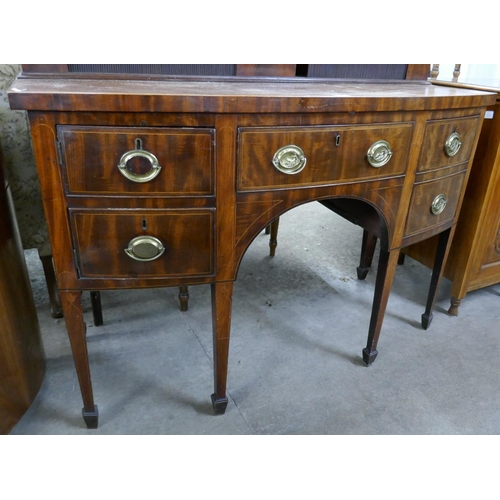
(439,204)
(289,159)
(379,154)
(452,144)
(145,248)
(138,151)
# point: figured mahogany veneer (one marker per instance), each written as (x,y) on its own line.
(474,260)
(186,157)
(333,154)
(218,187)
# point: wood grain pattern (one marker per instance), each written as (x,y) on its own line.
(207,231)
(91,155)
(211,96)
(433,154)
(22,356)
(102,236)
(334,154)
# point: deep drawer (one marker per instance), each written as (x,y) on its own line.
(91,157)
(436,152)
(333,153)
(426,206)
(116,243)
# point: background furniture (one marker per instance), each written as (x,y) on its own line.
(22,357)
(23,181)
(474,259)
(214,161)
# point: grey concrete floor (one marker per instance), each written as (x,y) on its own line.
(299,324)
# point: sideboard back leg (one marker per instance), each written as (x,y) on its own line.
(72,308)
(385,275)
(443,247)
(221,323)
(95,300)
(367,250)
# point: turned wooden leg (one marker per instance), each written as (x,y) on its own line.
(72,308)
(95,300)
(184,297)
(385,275)
(367,250)
(454,305)
(273,238)
(221,326)
(50,278)
(443,246)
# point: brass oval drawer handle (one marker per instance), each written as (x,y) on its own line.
(439,204)
(379,154)
(289,159)
(452,144)
(145,248)
(132,176)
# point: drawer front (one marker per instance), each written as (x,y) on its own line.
(331,154)
(119,244)
(441,140)
(163,161)
(434,203)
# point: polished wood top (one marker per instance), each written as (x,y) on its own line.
(270,95)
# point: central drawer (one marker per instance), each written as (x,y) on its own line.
(137,160)
(143,243)
(328,154)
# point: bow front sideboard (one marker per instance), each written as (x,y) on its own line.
(154,182)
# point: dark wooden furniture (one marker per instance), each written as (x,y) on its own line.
(234,156)
(22,357)
(474,259)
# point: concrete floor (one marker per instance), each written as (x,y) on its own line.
(299,324)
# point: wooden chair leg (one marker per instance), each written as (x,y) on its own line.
(95,300)
(273,238)
(183,297)
(367,250)
(50,278)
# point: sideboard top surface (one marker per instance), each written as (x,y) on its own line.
(237,96)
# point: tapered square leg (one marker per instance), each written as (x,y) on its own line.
(367,250)
(221,325)
(385,275)
(443,247)
(91,417)
(72,308)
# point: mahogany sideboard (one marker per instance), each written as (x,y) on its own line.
(161,181)
(474,258)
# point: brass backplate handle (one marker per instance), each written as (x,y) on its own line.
(379,153)
(145,248)
(439,204)
(452,144)
(132,176)
(289,159)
